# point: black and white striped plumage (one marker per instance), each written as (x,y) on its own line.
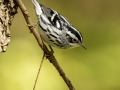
(56,30)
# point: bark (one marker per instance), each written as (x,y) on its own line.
(7,11)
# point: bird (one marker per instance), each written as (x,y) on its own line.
(55,29)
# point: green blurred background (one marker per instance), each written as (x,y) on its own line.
(97,68)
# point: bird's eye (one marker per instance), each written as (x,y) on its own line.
(74,40)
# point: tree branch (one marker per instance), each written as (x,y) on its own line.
(42,45)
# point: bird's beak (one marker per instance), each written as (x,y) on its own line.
(83,46)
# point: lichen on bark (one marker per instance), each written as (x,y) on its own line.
(7,11)
(4,28)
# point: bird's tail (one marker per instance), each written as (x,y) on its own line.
(38,8)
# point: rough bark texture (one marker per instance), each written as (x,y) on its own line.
(4,28)
(7,11)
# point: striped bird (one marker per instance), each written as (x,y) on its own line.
(55,29)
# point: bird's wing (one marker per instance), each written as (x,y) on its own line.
(55,18)
(50,16)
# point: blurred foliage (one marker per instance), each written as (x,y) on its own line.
(97,68)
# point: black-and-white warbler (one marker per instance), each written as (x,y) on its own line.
(56,30)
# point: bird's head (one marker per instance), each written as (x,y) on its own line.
(74,37)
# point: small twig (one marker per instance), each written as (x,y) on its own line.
(43,46)
(38,72)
